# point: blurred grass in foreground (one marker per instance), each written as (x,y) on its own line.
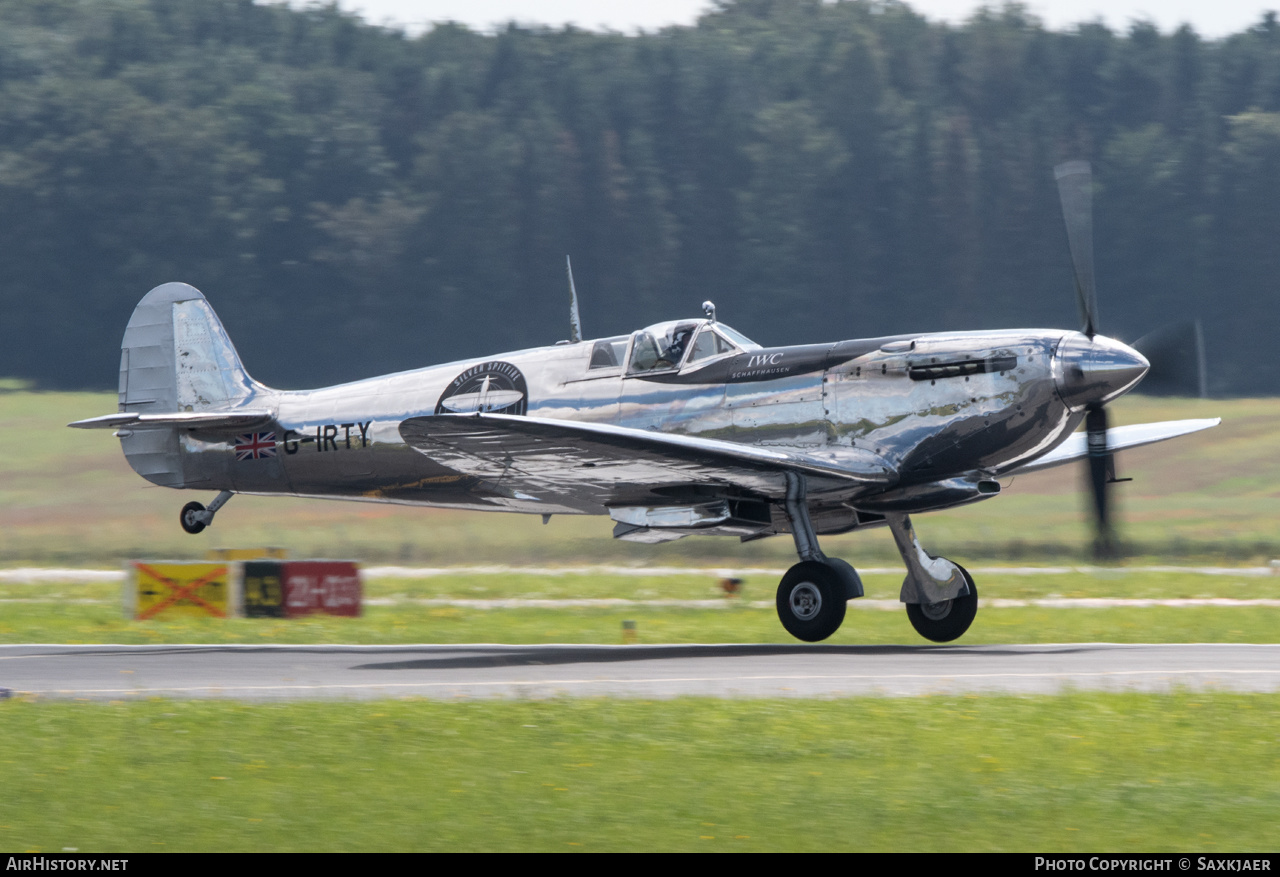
(62,612)
(68,497)
(25,623)
(416,625)
(703,584)
(1080,772)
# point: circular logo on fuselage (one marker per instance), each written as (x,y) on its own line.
(492,388)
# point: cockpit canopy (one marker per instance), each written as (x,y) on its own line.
(668,346)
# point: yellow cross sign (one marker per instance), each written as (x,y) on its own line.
(181,589)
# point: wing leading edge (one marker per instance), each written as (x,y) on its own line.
(1118,439)
(600,464)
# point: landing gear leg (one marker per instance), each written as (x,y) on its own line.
(814,592)
(195,517)
(941,597)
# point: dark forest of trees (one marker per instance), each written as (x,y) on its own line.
(355,201)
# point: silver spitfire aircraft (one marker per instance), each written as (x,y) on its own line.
(683,428)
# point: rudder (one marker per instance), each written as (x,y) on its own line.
(175,356)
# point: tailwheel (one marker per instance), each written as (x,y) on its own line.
(811,600)
(948,620)
(191,518)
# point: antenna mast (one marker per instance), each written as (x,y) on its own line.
(575,324)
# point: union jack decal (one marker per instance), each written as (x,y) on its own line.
(255,446)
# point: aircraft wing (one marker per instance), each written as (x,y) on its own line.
(556,459)
(1118,439)
(241,418)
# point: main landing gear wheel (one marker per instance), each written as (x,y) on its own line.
(190,519)
(948,620)
(812,600)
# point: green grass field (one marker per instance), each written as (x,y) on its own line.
(408,625)
(68,497)
(1077,772)
(91,613)
(1094,773)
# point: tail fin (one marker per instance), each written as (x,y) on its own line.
(175,357)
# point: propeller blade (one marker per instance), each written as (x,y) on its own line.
(1101,473)
(1176,354)
(1075,188)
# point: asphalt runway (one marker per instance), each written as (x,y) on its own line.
(264,673)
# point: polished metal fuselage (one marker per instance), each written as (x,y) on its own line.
(936,408)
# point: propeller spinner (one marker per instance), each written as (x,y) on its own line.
(1095,369)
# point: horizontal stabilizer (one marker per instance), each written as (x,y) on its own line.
(1118,439)
(242,418)
(547,459)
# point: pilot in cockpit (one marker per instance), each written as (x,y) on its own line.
(661,347)
(679,341)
